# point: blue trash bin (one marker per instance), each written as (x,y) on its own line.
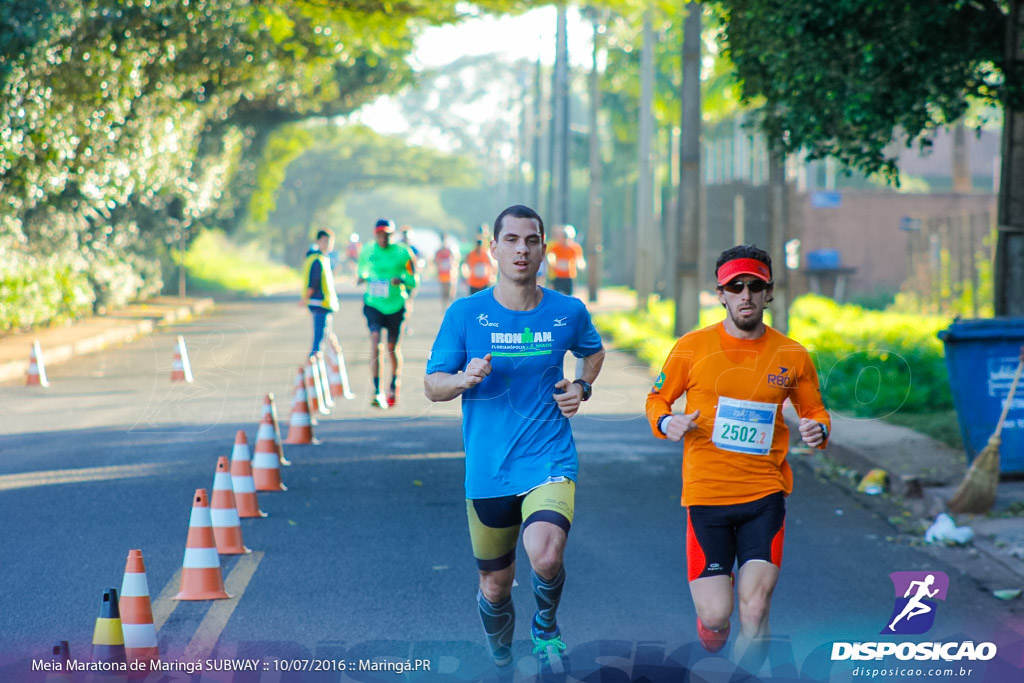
(981,357)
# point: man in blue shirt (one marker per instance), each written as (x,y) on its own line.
(319,294)
(502,350)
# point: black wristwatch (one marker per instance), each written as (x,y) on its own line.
(587,388)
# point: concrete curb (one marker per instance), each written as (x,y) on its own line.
(120,331)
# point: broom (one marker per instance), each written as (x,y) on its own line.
(977,492)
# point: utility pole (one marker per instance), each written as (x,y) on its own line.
(595,218)
(560,97)
(1009,257)
(691,215)
(645,244)
(538,135)
(779,220)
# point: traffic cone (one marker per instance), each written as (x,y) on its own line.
(61,657)
(200,572)
(269,408)
(300,431)
(241,479)
(36,375)
(107,636)
(182,368)
(137,612)
(227,529)
(266,470)
(325,380)
(337,374)
(315,388)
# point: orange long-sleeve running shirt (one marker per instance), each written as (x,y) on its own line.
(737,453)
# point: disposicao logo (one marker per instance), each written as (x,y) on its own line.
(913,612)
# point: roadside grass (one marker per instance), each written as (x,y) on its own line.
(215,264)
(941,425)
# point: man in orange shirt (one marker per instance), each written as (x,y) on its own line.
(736,374)
(565,259)
(478,269)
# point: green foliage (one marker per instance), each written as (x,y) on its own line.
(844,78)
(214,263)
(124,122)
(871,363)
(56,288)
(322,163)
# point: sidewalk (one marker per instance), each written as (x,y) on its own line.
(923,475)
(88,335)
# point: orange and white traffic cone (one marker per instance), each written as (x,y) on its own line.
(181,371)
(60,655)
(107,636)
(320,366)
(36,375)
(201,578)
(315,388)
(137,613)
(270,409)
(241,479)
(337,375)
(300,430)
(266,470)
(227,529)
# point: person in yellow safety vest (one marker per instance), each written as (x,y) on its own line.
(478,269)
(320,295)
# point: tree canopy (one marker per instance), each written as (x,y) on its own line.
(844,78)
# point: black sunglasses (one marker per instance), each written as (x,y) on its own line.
(736,286)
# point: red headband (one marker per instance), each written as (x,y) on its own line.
(743,266)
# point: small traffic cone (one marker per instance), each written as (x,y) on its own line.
(269,408)
(266,470)
(241,479)
(137,613)
(107,636)
(300,431)
(36,375)
(61,657)
(227,529)
(325,380)
(337,374)
(200,572)
(315,388)
(182,368)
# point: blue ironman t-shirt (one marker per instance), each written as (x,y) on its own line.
(516,438)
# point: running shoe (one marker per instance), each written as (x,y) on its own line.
(392,395)
(548,646)
(713,641)
(379,401)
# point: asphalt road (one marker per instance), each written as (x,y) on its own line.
(366,556)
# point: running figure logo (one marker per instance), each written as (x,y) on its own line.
(913,610)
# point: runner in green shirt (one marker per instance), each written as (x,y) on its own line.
(389,270)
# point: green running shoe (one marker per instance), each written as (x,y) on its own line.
(548,646)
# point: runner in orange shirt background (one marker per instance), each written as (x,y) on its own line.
(446,260)
(565,259)
(736,375)
(478,269)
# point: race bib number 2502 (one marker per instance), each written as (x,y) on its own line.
(744,426)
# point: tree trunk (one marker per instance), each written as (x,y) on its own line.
(1009,257)
(691,218)
(779,219)
(595,219)
(644,185)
